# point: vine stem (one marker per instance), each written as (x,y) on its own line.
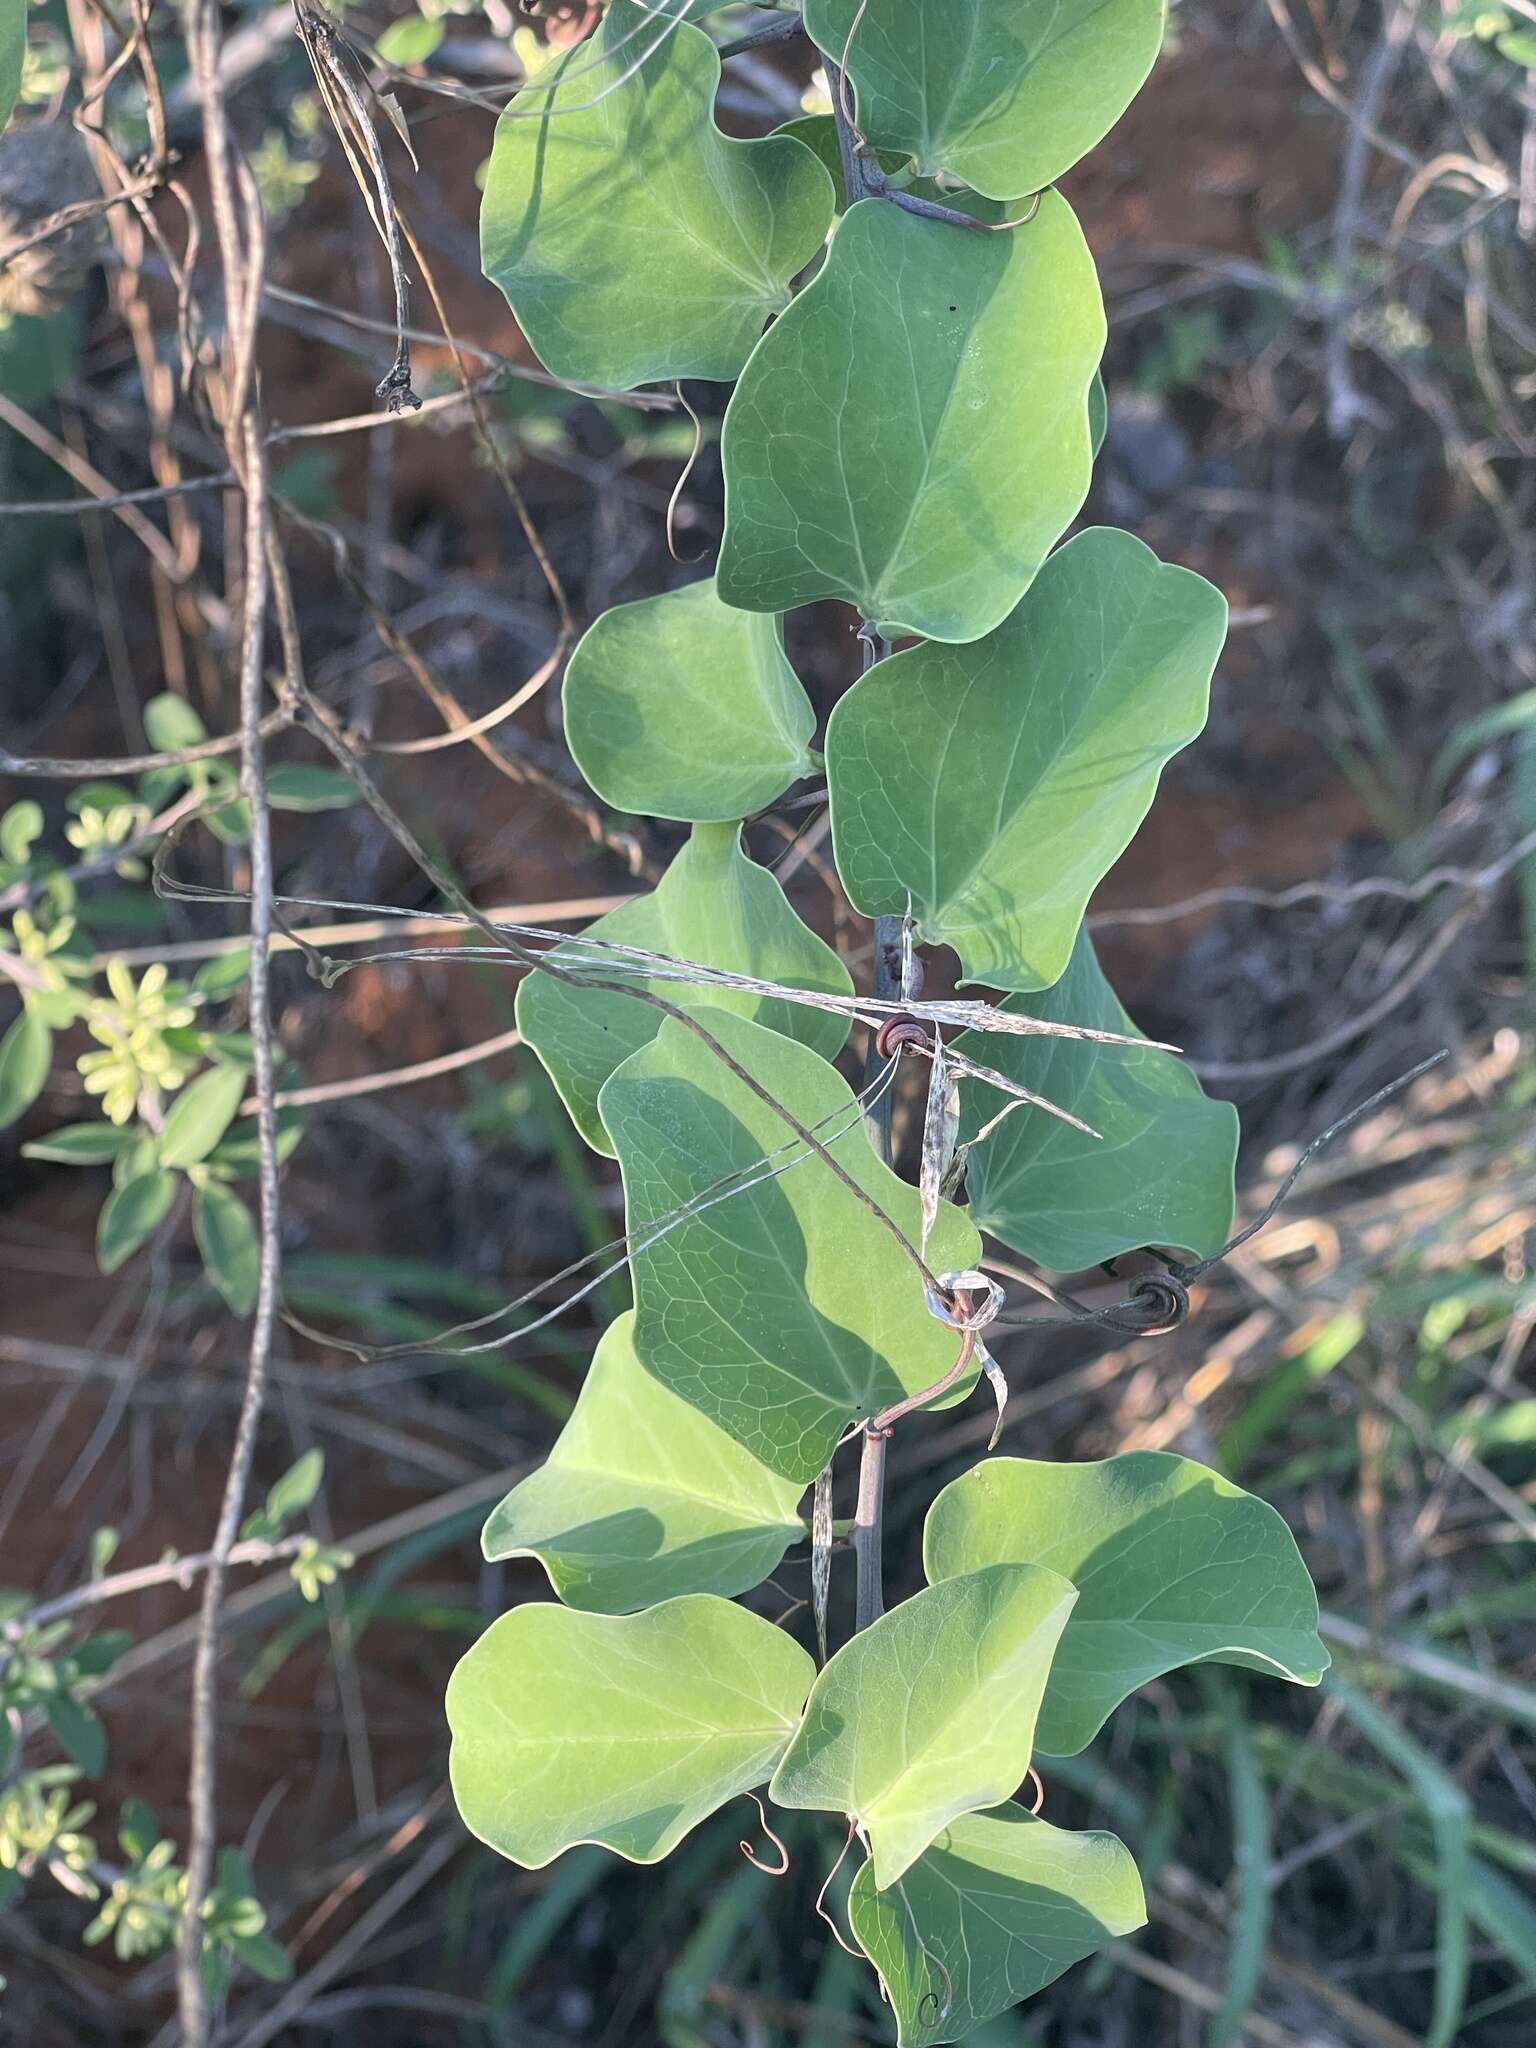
(242,250)
(869,1515)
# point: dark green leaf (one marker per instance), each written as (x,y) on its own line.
(80,1733)
(1160,1171)
(230,1244)
(132,1213)
(26,1052)
(83,1144)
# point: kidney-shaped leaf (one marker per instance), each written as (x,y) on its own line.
(1172,1563)
(679,706)
(643,1498)
(912,435)
(930,1712)
(626,1730)
(1160,1171)
(632,239)
(714,907)
(991,1914)
(995,784)
(1008,96)
(784,1308)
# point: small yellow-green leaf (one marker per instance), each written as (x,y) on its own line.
(1173,1565)
(626,1730)
(929,1713)
(992,1913)
(643,1498)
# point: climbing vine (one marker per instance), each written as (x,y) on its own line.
(913,325)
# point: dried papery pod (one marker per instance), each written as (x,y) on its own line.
(346,91)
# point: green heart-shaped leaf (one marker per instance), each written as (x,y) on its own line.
(679,706)
(783,1309)
(1008,97)
(930,1712)
(912,435)
(643,1498)
(626,1730)
(632,239)
(991,1914)
(1160,1171)
(1173,1565)
(994,785)
(715,907)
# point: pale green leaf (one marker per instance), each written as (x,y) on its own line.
(1160,1171)
(170,724)
(132,1213)
(13,50)
(230,1245)
(26,1052)
(912,435)
(1007,95)
(784,1309)
(997,783)
(305,786)
(643,1498)
(929,1713)
(679,706)
(410,40)
(22,825)
(83,1144)
(201,1114)
(632,239)
(1003,1904)
(296,1490)
(1173,1565)
(715,907)
(626,1730)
